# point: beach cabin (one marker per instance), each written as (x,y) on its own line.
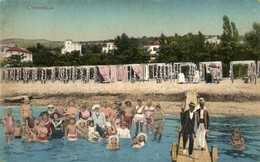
(258,68)
(185,71)
(245,70)
(209,71)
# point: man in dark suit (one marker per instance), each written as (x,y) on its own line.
(190,125)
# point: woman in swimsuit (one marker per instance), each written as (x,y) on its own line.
(24,112)
(139,116)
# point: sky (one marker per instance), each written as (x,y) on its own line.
(88,20)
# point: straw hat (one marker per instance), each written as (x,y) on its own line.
(50,106)
(96,106)
(123,123)
(201,100)
(192,104)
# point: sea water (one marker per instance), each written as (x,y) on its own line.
(60,150)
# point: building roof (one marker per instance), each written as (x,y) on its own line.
(153,43)
(18,49)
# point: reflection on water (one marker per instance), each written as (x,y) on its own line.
(82,150)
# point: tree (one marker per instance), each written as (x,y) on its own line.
(230,33)
(129,50)
(13,61)
(253,37)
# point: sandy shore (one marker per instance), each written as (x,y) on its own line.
(226,98)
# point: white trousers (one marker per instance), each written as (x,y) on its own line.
(201,133)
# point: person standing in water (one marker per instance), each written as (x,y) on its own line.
(8,123)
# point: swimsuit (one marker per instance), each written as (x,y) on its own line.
(128,120)
(139,116)
(9,126)
(43,138)
(148,114)
(72,137)
(17,137)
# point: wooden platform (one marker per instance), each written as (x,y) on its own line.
(199,156)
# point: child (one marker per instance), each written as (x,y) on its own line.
(84,113)
(92,133)
(148,113)
(24,111)
(237,140)
(8,124)
(117,121)
(56,126)
(42,132)
(123,131)
(82,129)
(72,110)
(71,130)
(33,133)
(17,130)
(158,122)
(113,143)
(46,120)
(109,132)
(139,141)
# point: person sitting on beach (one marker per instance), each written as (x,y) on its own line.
(158,122)
(72,110)
(148,112)
(128,114)
(108,111)
(8,123)
(99,119)
(113,143)
(139,116)
(71,130)
(109,132)
(237,140)
(84,113)
(56,126)
(139,141)
(17,130)
(82,129)
(24,112)
(123,131)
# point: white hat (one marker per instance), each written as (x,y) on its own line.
(142,134)
(112,136)
(95,106)
(50,105)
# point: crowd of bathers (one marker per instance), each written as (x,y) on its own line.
(93,123)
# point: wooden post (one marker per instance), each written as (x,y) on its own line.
(174,152)
(214,154)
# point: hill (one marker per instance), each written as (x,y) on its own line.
(25,43)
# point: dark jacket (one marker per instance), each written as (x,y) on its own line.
(186,127)
(206,118)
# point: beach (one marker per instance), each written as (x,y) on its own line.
(226,98)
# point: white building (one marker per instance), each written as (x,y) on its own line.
(71,46)
(9,50)
(109,46)
(153,48)
(213,40)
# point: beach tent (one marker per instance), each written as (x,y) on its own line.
(258,68)
(179,68)
(251,68)
(211,67)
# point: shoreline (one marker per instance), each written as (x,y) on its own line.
(227,99)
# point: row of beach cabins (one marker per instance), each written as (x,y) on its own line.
(182,72)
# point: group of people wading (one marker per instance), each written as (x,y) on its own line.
(96,122)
